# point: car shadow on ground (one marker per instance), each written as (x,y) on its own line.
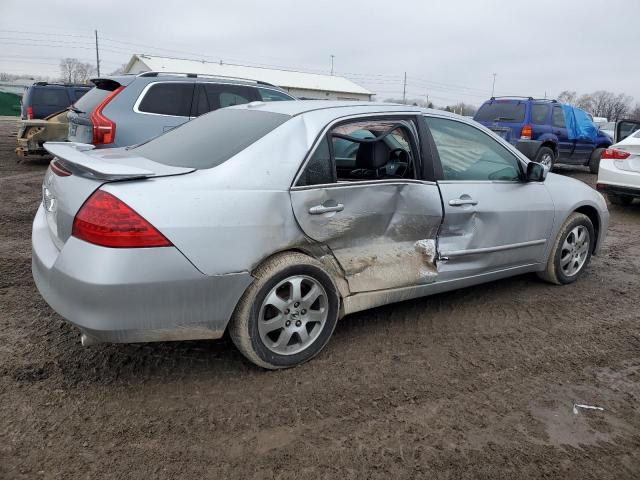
(354,334)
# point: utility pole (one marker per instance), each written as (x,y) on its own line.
(404,88)
(332,57)
(97,54)
(493,88)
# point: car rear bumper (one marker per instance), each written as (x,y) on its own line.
(618,190)
(131,295)
(612,179)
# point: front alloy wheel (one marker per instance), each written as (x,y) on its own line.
(575,250)
(571,251)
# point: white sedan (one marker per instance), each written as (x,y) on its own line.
(619,174)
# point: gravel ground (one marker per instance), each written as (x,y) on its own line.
(477,383)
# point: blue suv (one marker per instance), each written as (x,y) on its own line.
(538,129)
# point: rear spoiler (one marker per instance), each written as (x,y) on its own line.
(110,164)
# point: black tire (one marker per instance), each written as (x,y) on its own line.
(594,160)
(622,200)
(545,153)
(244,329)
(553,272)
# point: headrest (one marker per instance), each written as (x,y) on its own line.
(372,155)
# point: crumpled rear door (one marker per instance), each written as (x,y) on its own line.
(382,233)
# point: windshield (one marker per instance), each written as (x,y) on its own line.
(211,139)
(501,112)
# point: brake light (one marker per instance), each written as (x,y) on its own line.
(526,132)
(58,169)
(613,154)
(104,129)
(107,221)
(29,112)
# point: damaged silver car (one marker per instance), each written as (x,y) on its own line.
(274,220)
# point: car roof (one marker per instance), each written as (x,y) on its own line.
(338,107)
(128,78)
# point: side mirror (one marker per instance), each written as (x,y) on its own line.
(536,172)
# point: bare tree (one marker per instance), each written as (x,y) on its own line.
(609,105)
(463,109)
(120,70)
(567,96)
(416,102)
(74,71)
(600,103)
(635,113)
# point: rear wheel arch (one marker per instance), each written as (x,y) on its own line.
(316,252)
(593,215)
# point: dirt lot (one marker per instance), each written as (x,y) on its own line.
(477,383)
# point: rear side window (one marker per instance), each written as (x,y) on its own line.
(539,113)
(50,97)
(320,169)
(558,117)
(210,140)
(268,95)
(501,112)
(169,98)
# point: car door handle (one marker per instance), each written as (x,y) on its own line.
(319,209)
(459,202)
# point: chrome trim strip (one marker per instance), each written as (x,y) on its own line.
(499,248)
(362,183)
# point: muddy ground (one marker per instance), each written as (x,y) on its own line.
(477,383)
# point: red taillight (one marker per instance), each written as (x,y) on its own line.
(613,154)
(59,169)
(29,113)
(526,132)
(107,221)
(104,129)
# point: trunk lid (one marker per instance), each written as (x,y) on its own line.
(63,195)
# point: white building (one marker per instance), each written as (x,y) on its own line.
(299,84)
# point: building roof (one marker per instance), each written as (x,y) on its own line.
(281,78)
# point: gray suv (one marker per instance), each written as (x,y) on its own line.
(131,109)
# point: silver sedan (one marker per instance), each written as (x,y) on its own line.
(272,221)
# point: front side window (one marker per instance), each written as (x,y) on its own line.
(212,96)
(363,150)
(269,95)
(467,153)
(558,117)
(169,98)
(539,113)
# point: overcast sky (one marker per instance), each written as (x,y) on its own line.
(449,49)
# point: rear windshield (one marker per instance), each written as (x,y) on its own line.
(90,100)
(211,139)
(50,97)
(501,112)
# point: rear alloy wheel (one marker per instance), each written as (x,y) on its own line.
(622,200)
(287,314)
(571,251)
(546,157)
(594,160)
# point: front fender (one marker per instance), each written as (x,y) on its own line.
(570,195)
